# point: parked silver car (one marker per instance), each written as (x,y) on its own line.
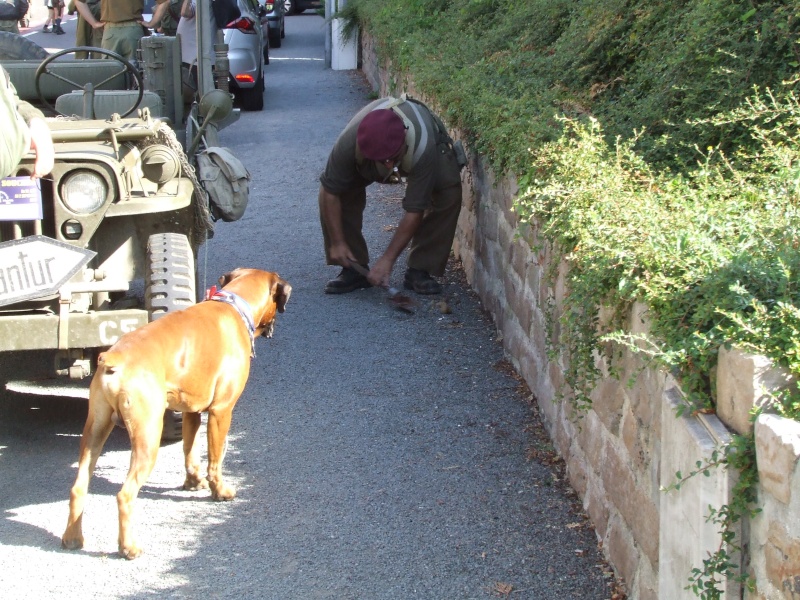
(248,52)
(277,30)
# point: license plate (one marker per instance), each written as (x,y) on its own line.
(20,199)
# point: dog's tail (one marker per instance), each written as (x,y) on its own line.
(110,381)
(106,386)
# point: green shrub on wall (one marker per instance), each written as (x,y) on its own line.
(714,252)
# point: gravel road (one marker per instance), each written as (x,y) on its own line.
(378,455)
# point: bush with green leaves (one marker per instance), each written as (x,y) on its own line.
(713,251)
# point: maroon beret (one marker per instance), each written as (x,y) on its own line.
(381,134)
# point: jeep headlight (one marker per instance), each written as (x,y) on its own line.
(83,192)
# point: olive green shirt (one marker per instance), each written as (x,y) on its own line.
(118,11)
(347,170)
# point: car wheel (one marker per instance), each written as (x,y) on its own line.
(169,286)
(16,47)
(253,98)
(275,38)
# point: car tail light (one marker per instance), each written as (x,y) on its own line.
(243,24)
(269,6)
(244,78)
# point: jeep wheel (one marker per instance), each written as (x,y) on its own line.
(170,286)
(172,431)
(16,47)
(170,274)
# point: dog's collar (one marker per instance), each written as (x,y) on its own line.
(242,307)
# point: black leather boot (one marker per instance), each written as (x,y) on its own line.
(347,281)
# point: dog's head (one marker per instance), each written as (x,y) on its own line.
(266,293)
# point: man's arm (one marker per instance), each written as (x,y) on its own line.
(382,269)
(87,15)
(330,211)
(158,14)
(40,141)
(187,9)
(42,146)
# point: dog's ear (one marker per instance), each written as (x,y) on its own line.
(281,293)
(225,279)
(229,276)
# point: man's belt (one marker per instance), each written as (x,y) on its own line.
(122,23)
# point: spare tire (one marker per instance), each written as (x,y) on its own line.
(15,47)
(169,286)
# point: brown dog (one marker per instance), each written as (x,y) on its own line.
(193,361)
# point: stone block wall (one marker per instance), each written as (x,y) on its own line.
(775,531)
(621,453)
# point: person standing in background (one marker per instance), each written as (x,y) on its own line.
(122,23)
(11,11)
(187,32)
(55,10)
(85,34)
(171,18)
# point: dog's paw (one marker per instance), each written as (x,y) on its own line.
(222,492)
(75,543)
(130,551)
(194,483)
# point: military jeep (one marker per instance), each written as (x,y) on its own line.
(109,241)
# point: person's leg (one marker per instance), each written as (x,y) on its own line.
(348,280)
(433,240)
(96,40)
(50,16)
(353,204)
(58,11)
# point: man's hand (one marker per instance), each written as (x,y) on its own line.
(382,269)
(158,14)
(340,254)
(80,6)
(380,272)
(42,146)
(330,210)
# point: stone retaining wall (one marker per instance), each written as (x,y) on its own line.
(622,453)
